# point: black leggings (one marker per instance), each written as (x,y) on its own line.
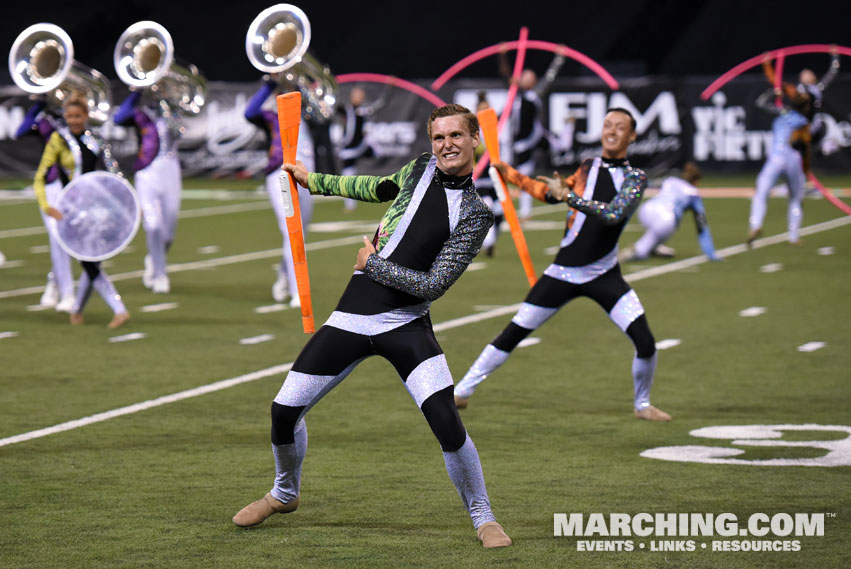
(332,353)
(606,290)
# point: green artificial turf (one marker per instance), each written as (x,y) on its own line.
(554,426)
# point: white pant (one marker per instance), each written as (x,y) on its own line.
(305,200)
(159,186)
(60,260)
(787,163)
(660,223)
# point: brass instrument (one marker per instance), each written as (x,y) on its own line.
(277,42)
(144,58)
(41,61)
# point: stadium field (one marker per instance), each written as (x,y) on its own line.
(132,448)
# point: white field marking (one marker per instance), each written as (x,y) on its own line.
(771,268)
(38,307)
(12,264)
(752,311)
(208,250)
(220,209)
(205,264)
(7,335)
(476,266)
(270,308)
(257,339)
(159,307)
(351,226)
(38,249)
(531,341)
(23,232)
(668,343)
(552,250)
(543,225)
(186,214)
(128,337)
(825,251)
(737,249)
(464,320)
(135,408)
(447,325)
(483,307)
(811,346)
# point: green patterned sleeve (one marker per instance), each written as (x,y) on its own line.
(362,188)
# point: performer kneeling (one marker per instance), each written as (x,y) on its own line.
(602,194)
(426,239)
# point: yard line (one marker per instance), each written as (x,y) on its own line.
(184,214)
(217,210)
(735,250)
(135,408)
(440,327)
(205,264)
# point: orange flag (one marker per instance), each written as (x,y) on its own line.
(488,122)
(289,119)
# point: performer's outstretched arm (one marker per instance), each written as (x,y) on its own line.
(125,115)
(831,72)
(537,188)
(621,206)
(704,237)
(363,188)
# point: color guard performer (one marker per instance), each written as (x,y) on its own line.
(425,241)
(602,195)
(788,157)
(661,216)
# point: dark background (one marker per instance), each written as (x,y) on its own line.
(420,40)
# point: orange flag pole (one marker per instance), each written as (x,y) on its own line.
(488,122)
(289,119)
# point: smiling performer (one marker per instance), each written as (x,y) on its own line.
(602,195)
(426,239)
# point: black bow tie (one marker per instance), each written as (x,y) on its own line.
(615,162)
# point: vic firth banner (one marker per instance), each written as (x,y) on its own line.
(727,133)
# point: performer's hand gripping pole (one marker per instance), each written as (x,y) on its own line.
(488,123)
(289,119)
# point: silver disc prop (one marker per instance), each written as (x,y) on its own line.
(101,214)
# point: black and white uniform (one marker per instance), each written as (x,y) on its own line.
(586,265)
(426,239)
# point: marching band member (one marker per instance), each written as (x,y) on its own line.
(484,186)
(75,150)
(157,179)
(527,130)
(267,121)
(354,143)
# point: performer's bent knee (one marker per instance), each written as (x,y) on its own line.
(442,416)
(642,338)
(284,420)
(510,337)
